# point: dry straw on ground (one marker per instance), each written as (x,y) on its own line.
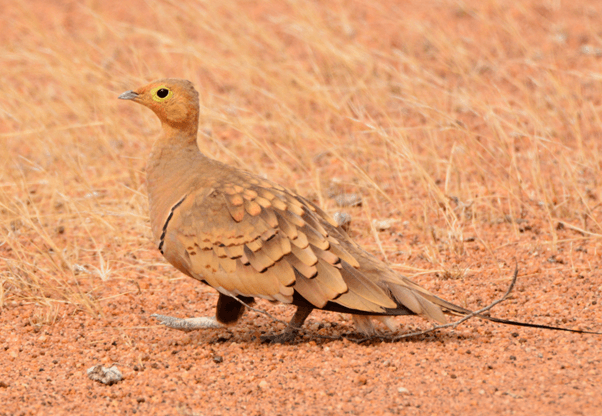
(475,125)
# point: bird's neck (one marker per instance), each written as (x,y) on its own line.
(184,133)
(175,166)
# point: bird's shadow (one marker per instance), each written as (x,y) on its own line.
(340,334)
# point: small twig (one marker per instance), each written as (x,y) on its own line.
(580,230)
(261,311)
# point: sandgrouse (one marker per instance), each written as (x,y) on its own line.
(249,237)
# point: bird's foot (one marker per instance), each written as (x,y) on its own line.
(187,324)
(282,338)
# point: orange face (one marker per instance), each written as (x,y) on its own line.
(174,101)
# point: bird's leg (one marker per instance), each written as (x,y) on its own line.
(230,309)
(293,327)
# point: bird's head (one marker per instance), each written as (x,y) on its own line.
(174,101)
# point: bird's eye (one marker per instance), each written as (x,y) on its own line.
(162,93)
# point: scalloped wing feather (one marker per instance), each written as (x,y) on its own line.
(258,239)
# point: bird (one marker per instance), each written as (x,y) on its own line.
(249,237)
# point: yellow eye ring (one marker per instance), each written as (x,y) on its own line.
(161,93)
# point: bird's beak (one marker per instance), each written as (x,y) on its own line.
(128,95)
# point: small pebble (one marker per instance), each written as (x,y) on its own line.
(402,390)
(104,375)
(382,225)
(343,219)
(590,50)
(263,384)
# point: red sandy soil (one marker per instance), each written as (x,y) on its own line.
(48,341)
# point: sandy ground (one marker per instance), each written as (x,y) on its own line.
(482,81)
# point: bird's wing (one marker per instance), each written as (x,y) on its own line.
(251,237)
(254,238)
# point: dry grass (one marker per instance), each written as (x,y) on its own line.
(462,119)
